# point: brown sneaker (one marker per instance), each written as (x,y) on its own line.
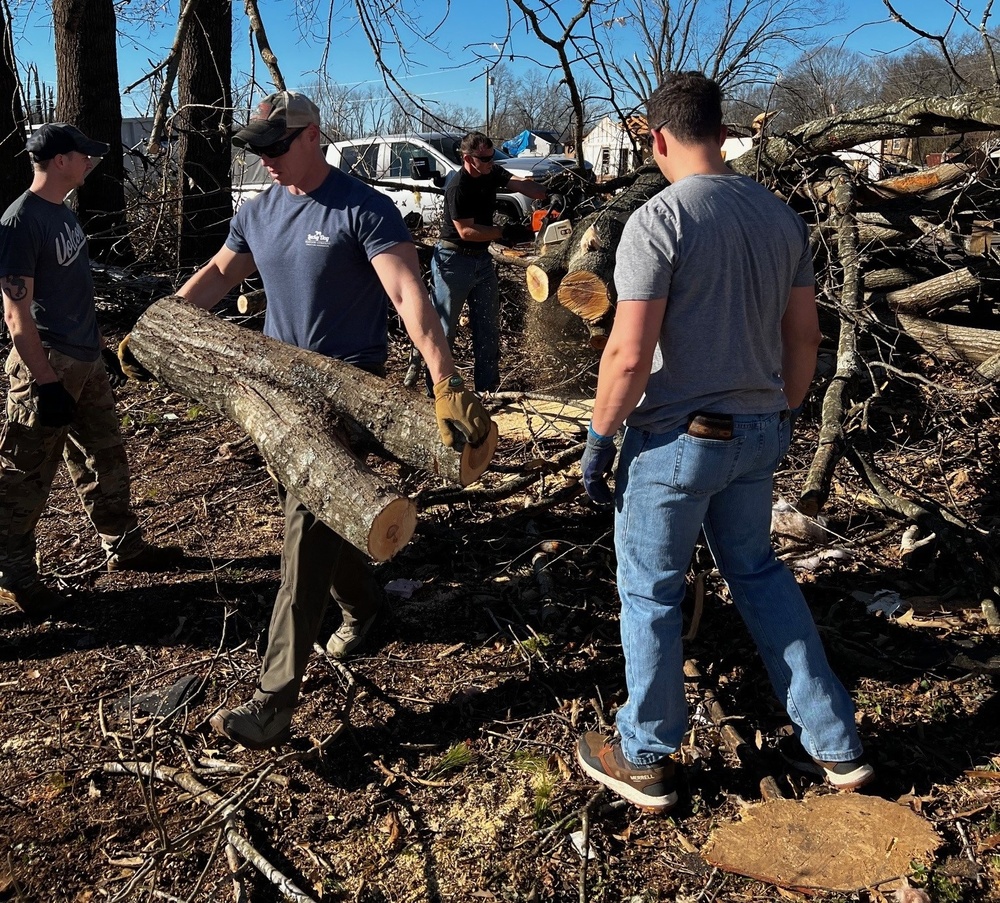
(148,558)
(35,599)
(650,787)
(348,637)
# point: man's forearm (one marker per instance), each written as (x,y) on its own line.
(24,333)
(619,388)
(798,366)
(425,331)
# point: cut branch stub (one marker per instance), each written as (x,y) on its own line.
(299,407)
(935,294)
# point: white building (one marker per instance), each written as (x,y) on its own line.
(610,146)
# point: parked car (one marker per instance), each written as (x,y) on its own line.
(429,159)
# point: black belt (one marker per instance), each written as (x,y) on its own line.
(460,249)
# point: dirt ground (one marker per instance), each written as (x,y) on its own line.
(452,775)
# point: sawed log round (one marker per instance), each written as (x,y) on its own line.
(280,394)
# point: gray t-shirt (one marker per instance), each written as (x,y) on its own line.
(46,242)
(313,252)
(725,253)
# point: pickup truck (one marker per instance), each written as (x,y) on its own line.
(413,163)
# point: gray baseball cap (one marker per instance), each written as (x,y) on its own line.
(275,115)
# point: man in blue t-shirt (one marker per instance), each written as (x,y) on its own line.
(60,403)
(461,267)
(714,339)
(332,253)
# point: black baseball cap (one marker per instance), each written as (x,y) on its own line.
(59,138)
(276,114)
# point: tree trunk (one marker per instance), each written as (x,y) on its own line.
(87,88)
(204,122)
(300,407)
(15,168)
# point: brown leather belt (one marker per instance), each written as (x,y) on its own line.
(704,425)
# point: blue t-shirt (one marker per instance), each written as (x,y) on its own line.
(45,241)
(313,252)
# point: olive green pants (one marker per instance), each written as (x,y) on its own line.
(30,453)
(316,563)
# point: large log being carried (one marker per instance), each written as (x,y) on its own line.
(302,409)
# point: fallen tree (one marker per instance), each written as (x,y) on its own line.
(308,413)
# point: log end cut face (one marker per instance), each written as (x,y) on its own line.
(476,458)
(392,529)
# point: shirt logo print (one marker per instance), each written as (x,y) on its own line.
(68,246)
(318,240)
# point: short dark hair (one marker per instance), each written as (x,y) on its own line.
(688,105)
(474,141)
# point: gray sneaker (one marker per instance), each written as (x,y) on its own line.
(258,724)
(347,637)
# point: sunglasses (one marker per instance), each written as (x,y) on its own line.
(280,147)
(488,159)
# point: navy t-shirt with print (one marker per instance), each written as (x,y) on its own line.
(46,242)
(313,252)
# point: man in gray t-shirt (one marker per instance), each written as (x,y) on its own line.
(60,402)
(715,338)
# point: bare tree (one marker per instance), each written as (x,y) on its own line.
(823,82)
(203,123)
(14,166)
(88,97)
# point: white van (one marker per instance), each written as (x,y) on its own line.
(415,162)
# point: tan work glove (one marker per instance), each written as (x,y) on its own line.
(459,411)
(130,366)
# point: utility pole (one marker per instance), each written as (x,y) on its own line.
(486,121)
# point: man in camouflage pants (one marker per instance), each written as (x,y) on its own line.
(60,403)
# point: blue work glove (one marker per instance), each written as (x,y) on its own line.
(597,463)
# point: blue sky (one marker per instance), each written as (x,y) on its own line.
(437,76)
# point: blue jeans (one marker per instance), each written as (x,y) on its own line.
(668,487)
(457,278)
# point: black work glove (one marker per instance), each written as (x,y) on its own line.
(129,365)
(793,415)
(516,234)
(116,376)
(56,407)
(459,411)
(597,464)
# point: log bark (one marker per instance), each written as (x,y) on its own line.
(890,278)
(936,294)
(952,343)
(299,407)
(923,181)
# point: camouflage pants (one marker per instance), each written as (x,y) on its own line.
(93,451)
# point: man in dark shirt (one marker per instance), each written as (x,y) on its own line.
(461,268)
(60,402)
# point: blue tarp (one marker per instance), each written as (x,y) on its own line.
(517,145)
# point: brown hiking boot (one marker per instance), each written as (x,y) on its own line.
(650,787)
(35,599)
(258,724)
(148,558)
(348,637)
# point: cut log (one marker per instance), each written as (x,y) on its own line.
(953,343)
(588,255)
(544,275)
(890,278)
(935,294)
(251,303)
(300,407)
